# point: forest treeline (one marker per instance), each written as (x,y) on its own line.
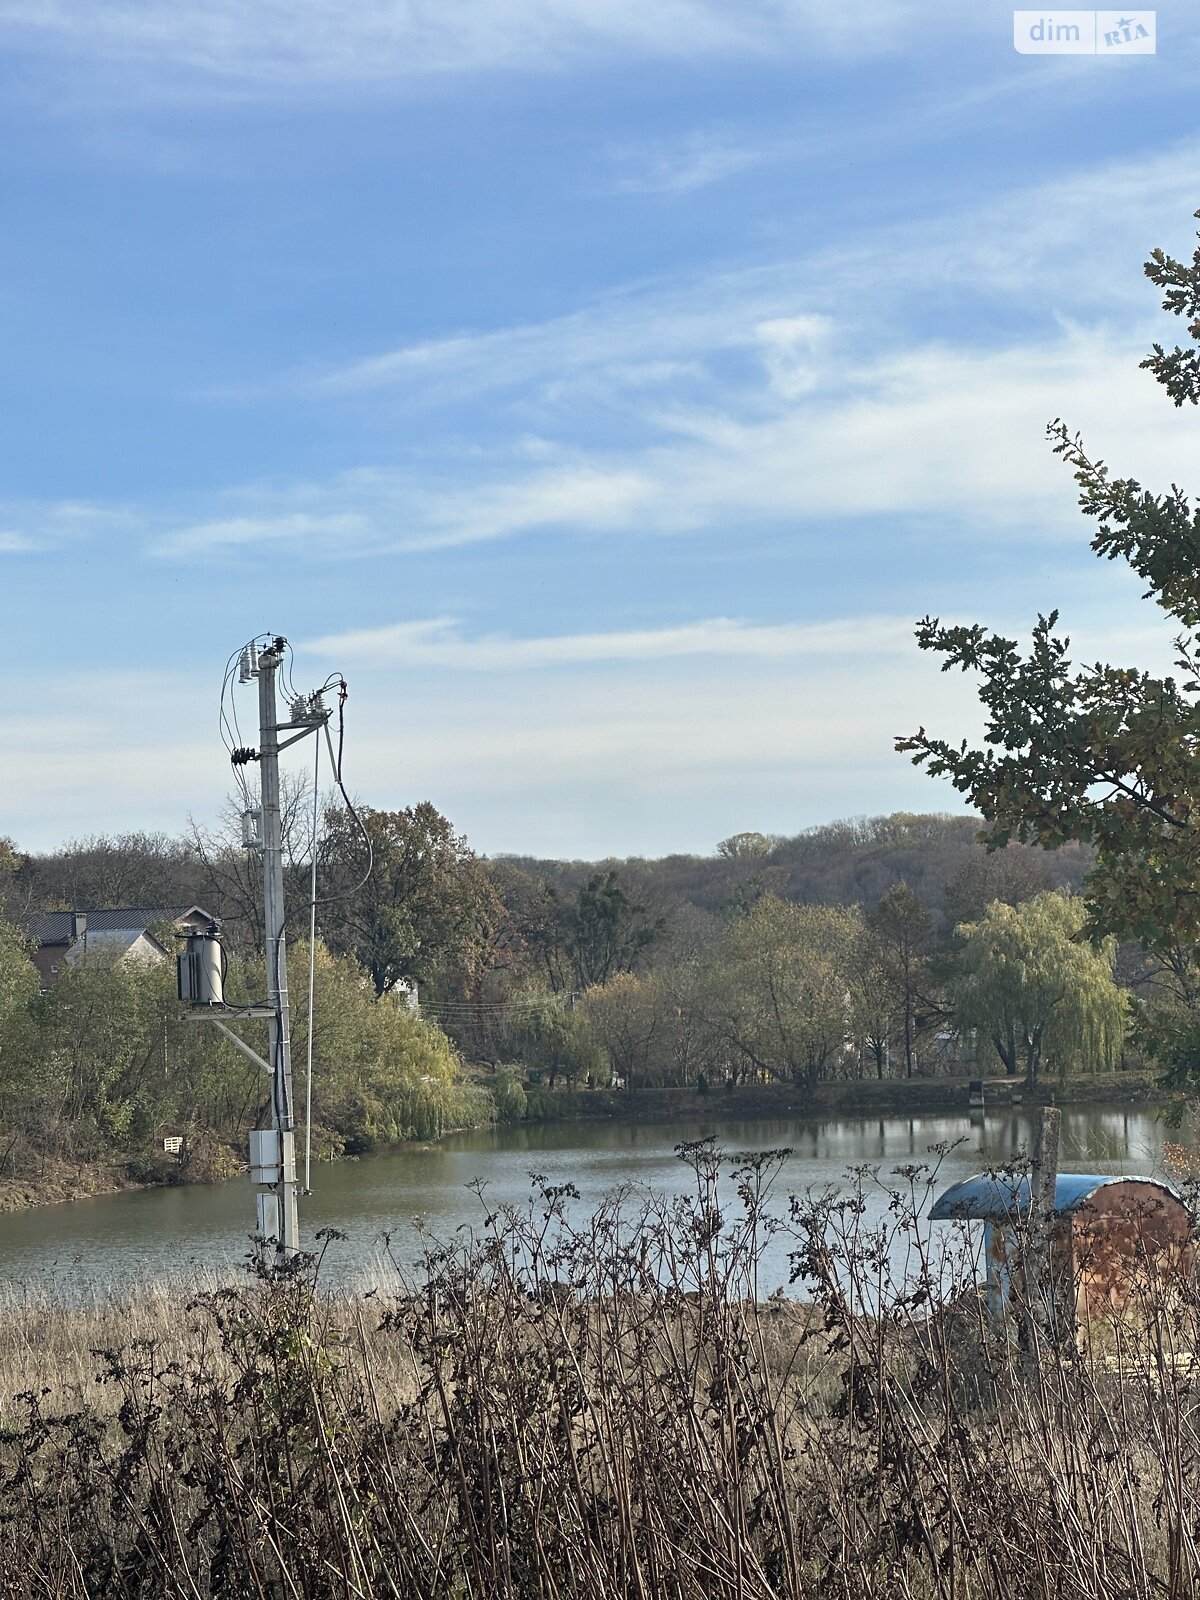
(885,947)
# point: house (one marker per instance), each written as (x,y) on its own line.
(65,937)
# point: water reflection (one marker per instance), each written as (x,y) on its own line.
(151,1234)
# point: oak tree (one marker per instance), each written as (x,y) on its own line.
(1102,754)
(404,894)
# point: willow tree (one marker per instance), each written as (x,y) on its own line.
(1043,996)
(1098,753)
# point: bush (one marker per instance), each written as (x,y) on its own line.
(159,1169)
(508,1094)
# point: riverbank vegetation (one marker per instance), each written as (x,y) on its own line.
(567,1407)
(896,947)
(537,982)
(532,987)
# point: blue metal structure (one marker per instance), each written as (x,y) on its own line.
(1005,1197)
(1001,1201)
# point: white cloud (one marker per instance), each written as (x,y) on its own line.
(790,347)
(27,526)
(652,741)
(439,642)
(377,512)
(676,324)
(103,752)
(1068,248)
(650,756)
(936,432)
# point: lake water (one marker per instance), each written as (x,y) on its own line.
(158,1233)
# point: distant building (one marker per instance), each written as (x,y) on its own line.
(65,937)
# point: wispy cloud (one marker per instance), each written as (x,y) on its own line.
(740,399)
(440,642)
(936,432)
(280,47)
(682,166)
(379,512)
(27,526)
(1078,237)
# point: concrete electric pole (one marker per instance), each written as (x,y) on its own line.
(201,969)
(280,1022)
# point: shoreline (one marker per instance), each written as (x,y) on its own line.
(891,1097)
(65,1184)
(843,1098)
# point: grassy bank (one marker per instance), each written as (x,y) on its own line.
(61,1181)
(601,1410)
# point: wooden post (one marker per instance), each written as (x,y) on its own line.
(1039,1267)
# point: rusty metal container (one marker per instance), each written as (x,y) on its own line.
(1114,1242)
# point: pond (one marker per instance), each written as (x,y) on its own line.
(115,1240)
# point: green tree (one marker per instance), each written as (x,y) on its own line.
(106,1028)
(781,999)
(542,1031)
(1102,754)
(20,1049)
(1026,980)
(380,1072)
(606,931)
(630,1019)
(425,911)
(13,897)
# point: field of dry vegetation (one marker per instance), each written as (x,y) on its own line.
(547,1411)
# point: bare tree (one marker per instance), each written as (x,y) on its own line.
(232,872)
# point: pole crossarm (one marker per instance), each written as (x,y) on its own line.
(285,744)
(231,1013)
(240,1043)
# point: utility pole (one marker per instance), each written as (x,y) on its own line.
(280,1023)
(202,966)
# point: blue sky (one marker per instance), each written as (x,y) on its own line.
(605,389)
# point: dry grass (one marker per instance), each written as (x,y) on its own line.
(552,1412)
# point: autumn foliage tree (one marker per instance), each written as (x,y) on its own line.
(403,893)
(781,1002)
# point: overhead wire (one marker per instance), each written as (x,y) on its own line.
(312,969)
(336,760)
(229,730)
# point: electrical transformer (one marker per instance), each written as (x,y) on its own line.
(202,969)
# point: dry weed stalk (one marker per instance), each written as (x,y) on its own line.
(553,1409)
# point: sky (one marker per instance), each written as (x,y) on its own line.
(605,390)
